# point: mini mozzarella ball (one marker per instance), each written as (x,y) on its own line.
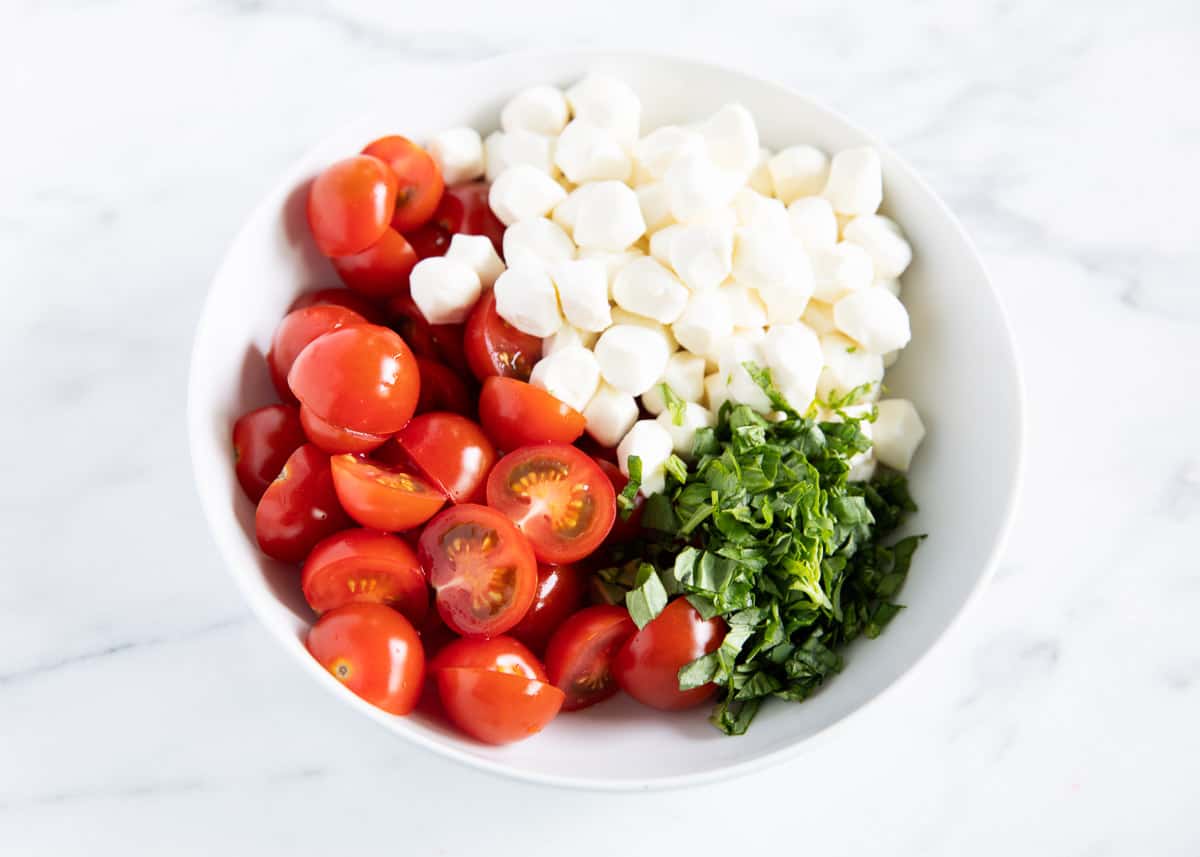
(793,354)
(733,354)
(653,445)
(705,323)
(647,288)
(787,298)
(818,316)
(655,205)
(458,152)
(760,212)
(657,151)
(537,242)
(855,183)
(683,434)
(702,255)
(684,375)
(503,150)
(760,177)
(660,242)
(731,138)
(889,359)
(569,374)
(609,217)
(746,307)
(798,171)
(839,270)
(774,263)
(479,254)
(897,432)
(716,391)
(589,153)
(891,286)
(526,299)
(881,237)
(566,213)
(696,187)
(874,318)
(607,102)
(522,192)
(540,109)
(848,366)
(632,357)
(624,316)
(611,262)
(610,415)
(583,292)
(566,336)
(444,290)
(814,223)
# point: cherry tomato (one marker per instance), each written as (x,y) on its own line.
(624,529)
(382,269)
(557,496)
(452,451)
(374,651)
(482,567)
(299,328)
(262,441)
(442,389)
(435,636)
(350,205)
(560,592)
(336,440)
(361,377)
(499,654)
(497,708)
(465,208)
(647,666)
(429,240)
(340,297)
(383,497)
(580,655)
(516,414)
(441,342)
(495,347)
(418,180)
(365,566)
(299,508)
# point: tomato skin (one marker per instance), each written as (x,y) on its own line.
(516,414)
(419,182)
(452,451)
(360,377)
(495,347)
(374,651)
(465,208)
(647,666)
(429,240)
(560,592)
(299,508)
(624,529)
(441,342)
(382,269)
(336,440)
(499,654)
(262,441)
(297,329)
(383,497)
(365,566)
(350,205)
(580,655)
(340,297)
(442,389)
(496,708)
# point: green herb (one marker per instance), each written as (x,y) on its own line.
(626,499)
(676,468)
(647,598)
(676,405)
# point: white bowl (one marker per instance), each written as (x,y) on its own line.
(961,370)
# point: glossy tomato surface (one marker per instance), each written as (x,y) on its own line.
(350,205)
(374,651)
(429,240)
(495,347)
(560,592)
(441,342)
(442,389)
(297,329)
(452,451)
(299,508)
(497,708)
(382,496)
(465,208)
(580,655)
(262,441)
(382,269)
(369,310)
(499,654)
(365,566)
(418,180)
(516,414)
(336,440)
(647,666)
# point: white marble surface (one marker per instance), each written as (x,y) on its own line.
(142,711)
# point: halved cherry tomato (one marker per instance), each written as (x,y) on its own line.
(497,708)
(383,497)
(361,377)
(336,440)
(350,205)
(299,508)
(297,329)
(452,451)
(365,566)
(442,342)
(499,654)
(418,180)
(262,441)
(624,529)
(340,297)
(374,651)
(382,269)
(580,655)
(465,208)
(560,591)
(557,496)
(442,389)
(516,414)
(647,666)
(495,347)
(482,567)
(429,240)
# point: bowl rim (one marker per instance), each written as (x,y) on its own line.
(428,740)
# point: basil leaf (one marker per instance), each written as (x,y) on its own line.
(676,405)
(647,598)
(627,499)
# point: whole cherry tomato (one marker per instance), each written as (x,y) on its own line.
(382,496)
(299,508)
(441,342)
(365,566)
(262,441)
(442,389)
(382,269)
(465,208)
(336,440)
(350,205)
(418,180)
(560,592)
(499,654)
(297,329)
(647,666)
(429,240)
(495,347)
(374,651)
(580,655)
(452,451)
(341,297)
(516,414)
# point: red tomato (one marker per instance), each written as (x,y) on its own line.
(418,180)
(383,497)
(382,269)
(560,591)
(374,651)
(482,567)
(494,707)
(429,240)
(442,389)
(516,414)
(624,529)
(557,496)
(299,328)
(360,566)
(361,377)
(340,297)
(452,451)
(336,440)
(350,205)
(262,441)
(465,208)
(299,508)
(498,654)
(441,342)
(647,667)
(495,347)
(435,636)
(579,658)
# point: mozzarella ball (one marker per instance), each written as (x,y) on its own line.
(889,359)
(609,217)
(760,212)
(566,213)
(684,375)
(610,415)
(696,186)
(731,138)
(479,254)
(839,270)
(897,433)
(798,171)
(526,299)
(874,318)
(705,323)
(522,192)
(608,103)
(645,287)
(657,151)
(818,316)
(793,354)
(760,177)
(683,434)
(746,307)
(702,254)
(855,183)
(589,153)
(660,242)
(892,286)
(655,205)
(583,291)
(458,152)
(716,392)
(774,263)
(884,242)
(537,242)
(612,262)
(540,109)
(503,151)
(814,223)
(570,374)
(568,336)
(733,354)
(848,366)
(444,290)
(632,357)
(624,316)
(653,445)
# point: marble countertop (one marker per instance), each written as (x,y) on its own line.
(143,710)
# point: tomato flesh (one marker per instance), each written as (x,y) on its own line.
(418,180)
(299,508)
(365,566)
(560,592)
(452,451)
(297,329)
(497,708)
(350,205)
(647,666)
(336,440)
(382,269)
(580,655)
(495,347)
(381,496)
(516,414)
(374,651)
(262,441)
